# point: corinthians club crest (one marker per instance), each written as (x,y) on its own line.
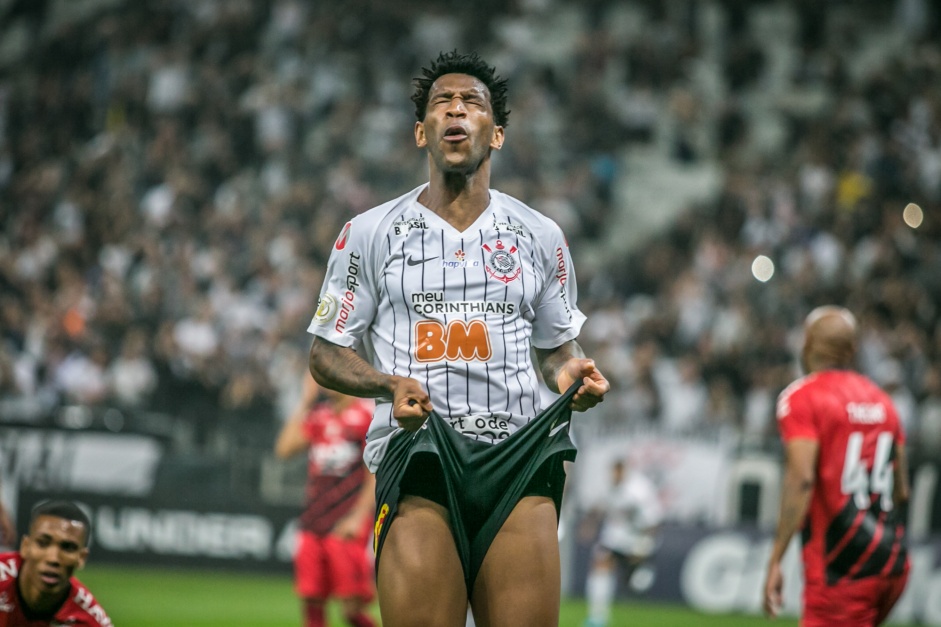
(502,264)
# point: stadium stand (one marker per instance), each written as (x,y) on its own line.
(173,174)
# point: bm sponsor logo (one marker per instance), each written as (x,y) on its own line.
(456,341)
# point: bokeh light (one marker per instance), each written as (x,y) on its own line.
(913,215)
(762,268)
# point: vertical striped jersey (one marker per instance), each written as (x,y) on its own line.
(851,530)
(456,310)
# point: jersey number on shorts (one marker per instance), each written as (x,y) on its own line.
(458,341)
(862,482)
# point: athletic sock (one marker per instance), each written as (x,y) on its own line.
(314,614)
(600,592)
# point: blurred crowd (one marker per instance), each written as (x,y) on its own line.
(173,175)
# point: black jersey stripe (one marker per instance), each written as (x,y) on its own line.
(467,369)
(332,505)
(854,540)
(839,535)
(881,554)
(530,373)
(506,381)
(395,322)
(530,412)
(515,330)
(486,299)
(444,290)
(900,557)
(859,548)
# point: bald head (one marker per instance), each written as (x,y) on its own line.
(829,339)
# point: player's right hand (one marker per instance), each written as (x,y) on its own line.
(773,587)
(411,404)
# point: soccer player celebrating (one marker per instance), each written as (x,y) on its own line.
(845,480)
(331,559)
(37,588)
(441,295)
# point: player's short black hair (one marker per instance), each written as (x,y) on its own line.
(456,63)
(66,510)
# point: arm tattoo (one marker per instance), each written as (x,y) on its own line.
(552,360)
(342,369)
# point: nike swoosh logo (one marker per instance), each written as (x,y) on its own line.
(558,428)
(417,262)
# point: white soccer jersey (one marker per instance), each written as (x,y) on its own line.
(633,511)
(458,311)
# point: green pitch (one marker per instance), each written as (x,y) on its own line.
(135,597)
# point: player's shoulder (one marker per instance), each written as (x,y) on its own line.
(387,213)
(82,608)
(532,221)
(800,386)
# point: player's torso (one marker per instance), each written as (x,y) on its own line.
(336,438)
(456,307)
(858,431)
(851,523)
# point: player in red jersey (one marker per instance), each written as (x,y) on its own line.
(37,588)
(332,558)
(845,482)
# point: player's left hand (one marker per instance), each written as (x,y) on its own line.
(773,588)
(594,385)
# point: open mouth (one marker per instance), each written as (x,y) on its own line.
(455,133)
(51,579)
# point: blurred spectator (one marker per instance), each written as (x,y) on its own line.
(132,377)
(172,178)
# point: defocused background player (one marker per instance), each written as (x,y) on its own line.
(845,480)
(630,516)
(37,588)
(332,559)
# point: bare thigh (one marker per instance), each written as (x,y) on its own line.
(420,579)
(519,583)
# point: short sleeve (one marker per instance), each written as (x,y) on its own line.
(557,317)
(348,297)
(795,415)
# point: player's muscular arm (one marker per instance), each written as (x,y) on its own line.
(799,476)
(342,369)
(564,365)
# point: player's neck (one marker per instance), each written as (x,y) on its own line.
(459,199)
(36,602)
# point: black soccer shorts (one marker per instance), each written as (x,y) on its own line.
(479,483)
